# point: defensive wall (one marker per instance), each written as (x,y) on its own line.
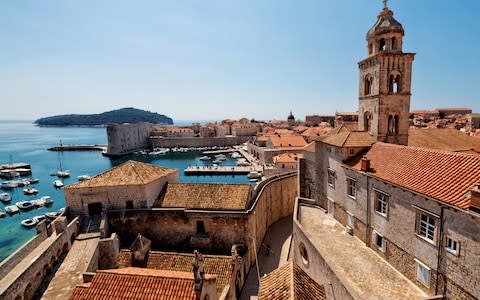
(178,228)
(23,272)
(166,142)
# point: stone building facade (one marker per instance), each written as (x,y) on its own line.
(127,138)
(127,186)
(416,208)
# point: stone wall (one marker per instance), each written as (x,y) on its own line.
(126,138)
(161,142)
(315,266)
(27,282)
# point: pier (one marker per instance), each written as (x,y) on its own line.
(219,151)
(78,148)
(210,170)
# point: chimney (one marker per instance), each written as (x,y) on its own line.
(198,274)
(475,198)
(365,164)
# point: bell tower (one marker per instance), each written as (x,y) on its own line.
(385,82)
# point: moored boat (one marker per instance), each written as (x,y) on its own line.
(47,199)
(38,202)
(2,213)
(254,175)
(23,182)
(57,184)
(39,219)
(30,191)
(32,180)
(25,205)
(5,197)
(12,209)
(83,177)
(29,223)
(8,185)
(205,158)
(52,214)
(63,174)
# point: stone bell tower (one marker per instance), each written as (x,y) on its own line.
(385,82)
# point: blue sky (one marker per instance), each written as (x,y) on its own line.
(224,59)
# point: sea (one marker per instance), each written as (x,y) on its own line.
(23,142)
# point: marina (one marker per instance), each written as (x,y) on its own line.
(215,170)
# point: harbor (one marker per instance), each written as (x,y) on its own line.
(78,148)
(219,170)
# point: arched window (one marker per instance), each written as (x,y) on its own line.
(395,120)
(381,45)
(394,83)
(368,85)
(394,42)
(390,123)
(370,48)
(367,121)
(393,124)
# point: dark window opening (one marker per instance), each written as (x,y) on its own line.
(392,124)
(382,45)
(95,209)
(394,42)
(200,227)
(370,49)
(367,121)
(129,204)
(368,85)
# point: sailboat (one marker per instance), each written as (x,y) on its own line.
(61,173)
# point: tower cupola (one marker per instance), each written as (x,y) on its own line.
(386,34)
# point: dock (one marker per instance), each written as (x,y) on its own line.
(13,166)
(210,170)
(94,147)
(219,151)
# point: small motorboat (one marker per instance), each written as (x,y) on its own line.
(23,182)
(47,199)
(39,219)
(29,223)
(52,215)
(205,158)
(30,191)
(12,209)
(8,185)
(63,174)
(24,205)
(32,180)
(254,175)
(58,184)
(83,177)
(38,202)
(5,197)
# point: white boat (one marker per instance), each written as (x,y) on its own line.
(12,209)
(29,223)
(25,205)
(32,180)
(217,161)
(57,184)
(5,197)
(30,191)
(254,174)
(83,177)
(47,199)
(39,219)
(52,214)
(38,202)
(8,185)
(63,174)
(205,158)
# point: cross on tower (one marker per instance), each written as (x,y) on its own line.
(385,4)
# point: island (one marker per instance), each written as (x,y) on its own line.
(123,115)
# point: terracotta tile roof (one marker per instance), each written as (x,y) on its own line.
(447,139)
(280,141)
(129,173)
(289,282)
(218,196)
(218,265)
(346,113)
(346,138)
(137,283)
(310,147)
(445,176)
(423,112)
(287,158)
(314,132)
(477,149)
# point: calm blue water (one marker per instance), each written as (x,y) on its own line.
(21,141)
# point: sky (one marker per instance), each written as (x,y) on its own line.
(217,59)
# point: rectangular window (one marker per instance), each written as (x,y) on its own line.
(351,220)
(352,151)
(426,226)
(381,203)
(351,187)
(331,178)
(423,273)
(200,227)
(380,241)
(451,245)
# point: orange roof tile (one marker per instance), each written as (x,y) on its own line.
(219,196)
(477,149)
(447,139)
(218,265)
(129,173)
(137,283)
(340,113)
(346,138)
(289,282)
(445,176)
(314,132)
(287,158)
(280,141)
(310,147)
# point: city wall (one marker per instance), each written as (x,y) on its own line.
(163,142)
(28,280)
